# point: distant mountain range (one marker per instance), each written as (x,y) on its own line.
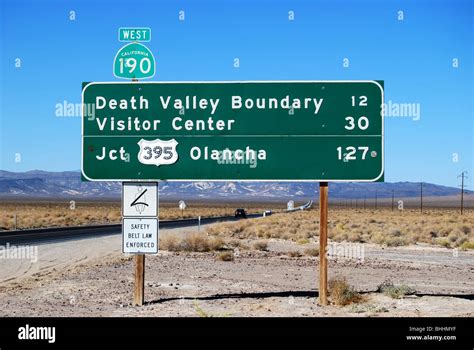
(68,184)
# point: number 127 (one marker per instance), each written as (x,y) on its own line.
(351,153)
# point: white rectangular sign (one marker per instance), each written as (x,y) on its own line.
(140,199)
(140,235)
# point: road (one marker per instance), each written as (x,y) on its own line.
(56,255)
(78,232)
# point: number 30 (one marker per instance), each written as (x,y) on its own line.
(362,123)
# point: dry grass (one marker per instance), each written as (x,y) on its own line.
(66,213)
(298,226)
(225,256)
(261,245)
(342,293)
(467,245)
(393,291)
(442,227)
(312,251)
(294,254)
(192,243)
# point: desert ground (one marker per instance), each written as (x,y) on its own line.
(382,263)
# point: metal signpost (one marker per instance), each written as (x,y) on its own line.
(220,131)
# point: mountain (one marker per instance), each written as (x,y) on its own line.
(68,184)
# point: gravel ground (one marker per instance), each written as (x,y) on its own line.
(91,277)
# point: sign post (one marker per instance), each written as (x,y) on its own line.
(323,240)
(140,228)
(139,289)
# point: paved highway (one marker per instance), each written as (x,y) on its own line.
(79,232)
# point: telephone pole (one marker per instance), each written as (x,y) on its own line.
(462,176)
(392,198)
(421,197)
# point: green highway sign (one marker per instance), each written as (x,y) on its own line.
(134,61)
(135,34)
(274,131)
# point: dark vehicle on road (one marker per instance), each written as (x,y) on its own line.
(241,213)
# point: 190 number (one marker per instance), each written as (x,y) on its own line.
(144,65)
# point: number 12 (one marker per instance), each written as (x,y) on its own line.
(362,101)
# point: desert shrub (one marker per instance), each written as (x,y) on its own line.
(354,237)
(395,241)
(444,232)
(378,238)
(236,243)
(460,241)
(312,251)
(342,293)
(192,243)
(170,243)
(443,242)
(261,245)
(294,254)
(371,308)
(395,233)
(453,237)
(393,291)
(467,245)
(196,243)
(225,256)
(341,237)
(302,241)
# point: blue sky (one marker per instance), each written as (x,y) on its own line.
(413,56)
